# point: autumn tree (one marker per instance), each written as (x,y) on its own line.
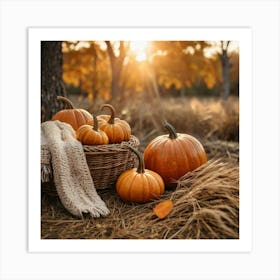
(52,83)
(86,67)
(181,63)
(110,69)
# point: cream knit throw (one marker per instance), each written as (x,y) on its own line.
(71,174)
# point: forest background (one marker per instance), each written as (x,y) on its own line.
(192,84)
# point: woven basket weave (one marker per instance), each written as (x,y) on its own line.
(105,162)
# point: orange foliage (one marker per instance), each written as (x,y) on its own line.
(178,64)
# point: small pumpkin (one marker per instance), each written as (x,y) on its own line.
(73,116)
(117,130)
(91,135)
(173,155)
(139,185)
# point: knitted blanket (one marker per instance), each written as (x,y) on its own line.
(71,174)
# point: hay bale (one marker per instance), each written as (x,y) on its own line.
(208,199)
(206,206)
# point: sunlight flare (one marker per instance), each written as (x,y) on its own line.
(139,50)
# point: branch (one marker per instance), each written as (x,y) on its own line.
(110,49)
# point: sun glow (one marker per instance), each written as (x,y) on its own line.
(139,50)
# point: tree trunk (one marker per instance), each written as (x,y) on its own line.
(116,67)
(225,70)
(52,83)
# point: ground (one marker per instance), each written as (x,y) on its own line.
(206,201)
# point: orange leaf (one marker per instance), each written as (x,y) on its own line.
(163,208)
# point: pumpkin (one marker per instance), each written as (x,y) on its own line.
(173,155)
(163,208)
(117,130)
(91,135)
(101,118)
(74,117)
(139,185)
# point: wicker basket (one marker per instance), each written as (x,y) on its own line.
(105,162)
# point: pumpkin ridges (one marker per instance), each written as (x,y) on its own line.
(86,138)
(89,140)
(196,147)
(124,127)
(123,124)
(167,168)
(118,134)
(174,155)
(199,147)
(197,155)
(117,130)
(146,187)
(186,163)
(135,192)
(186,154)
(73,116)
(149,188)
(150,149)
(159,156)
(139,185)
(89,135)
(132,187)
(124,177)
(69,116)
(78,117)
(84,119)
(154,181)
(159,180)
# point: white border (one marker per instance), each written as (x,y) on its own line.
(262,16)
(243,36)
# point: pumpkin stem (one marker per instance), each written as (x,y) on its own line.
(95,123)
(141,165)
(112,111)
(171,130)
(66,101)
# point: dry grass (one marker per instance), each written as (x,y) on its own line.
(206,205)
(206,118)
(206,201)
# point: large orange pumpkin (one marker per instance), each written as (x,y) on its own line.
(139,185)
(73,116)
(173,155)
(117,130)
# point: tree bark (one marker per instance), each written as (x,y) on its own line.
(52,83)
(224,58)
(116,67)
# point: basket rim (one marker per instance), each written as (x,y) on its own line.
(133,140)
